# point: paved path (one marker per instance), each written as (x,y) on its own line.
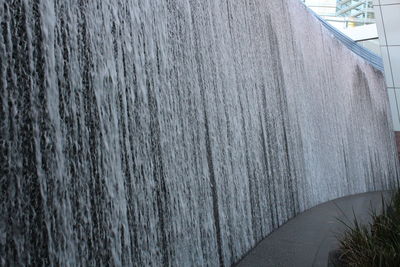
(307,239)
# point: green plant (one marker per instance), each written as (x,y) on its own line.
(376,243)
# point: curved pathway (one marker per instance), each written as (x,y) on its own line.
(307,239)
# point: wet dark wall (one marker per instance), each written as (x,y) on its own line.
(176,133)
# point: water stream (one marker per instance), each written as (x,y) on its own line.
(176,132)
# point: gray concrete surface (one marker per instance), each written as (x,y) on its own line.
(307,239)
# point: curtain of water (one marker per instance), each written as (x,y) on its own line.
(175,132)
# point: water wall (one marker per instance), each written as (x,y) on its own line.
(176,132)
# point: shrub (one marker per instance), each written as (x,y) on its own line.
(376,243)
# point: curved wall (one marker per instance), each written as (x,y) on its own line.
(179,132)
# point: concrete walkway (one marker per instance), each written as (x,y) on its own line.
(307,239)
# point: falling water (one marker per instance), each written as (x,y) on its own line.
(176,132)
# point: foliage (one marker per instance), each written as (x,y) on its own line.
(376,243)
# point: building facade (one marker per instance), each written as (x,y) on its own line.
(344,13)
(388,21)
(357,12)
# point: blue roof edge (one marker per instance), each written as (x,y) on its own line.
(366,54)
